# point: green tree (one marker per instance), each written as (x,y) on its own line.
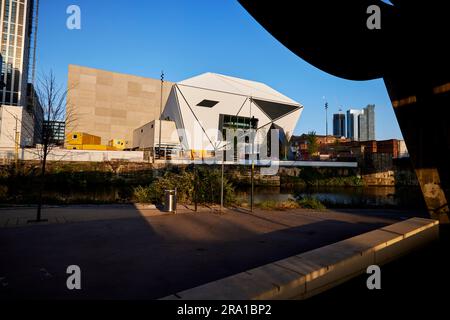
(313,145)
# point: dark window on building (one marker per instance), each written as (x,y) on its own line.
(275,110)
(207,103)
(237,122)
(55,131)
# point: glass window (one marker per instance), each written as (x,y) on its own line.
(20,13)
(16,80)
(207,103)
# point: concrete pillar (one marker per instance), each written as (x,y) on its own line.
(433,193)
(420,103)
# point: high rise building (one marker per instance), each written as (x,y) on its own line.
(339,124)
(362,127)
(369,111)
(18,21)
(16,18)
(353,124)
(361,124)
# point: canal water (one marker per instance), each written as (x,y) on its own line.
(358,197)
(334,197)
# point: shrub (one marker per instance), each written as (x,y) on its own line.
(278,205)
(289,204)
(311,203)
(209,185)
(142,194)
(208,191)
(268,204)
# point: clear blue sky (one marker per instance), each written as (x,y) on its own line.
(186,38)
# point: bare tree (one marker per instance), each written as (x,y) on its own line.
(47,104)
(50,99)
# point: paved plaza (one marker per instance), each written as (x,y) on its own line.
(139,252)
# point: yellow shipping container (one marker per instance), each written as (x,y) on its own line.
(74,146)
(98,147)
(119,144)
(199,154)
(79,138)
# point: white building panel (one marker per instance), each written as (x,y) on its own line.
(209,116)
(203,105)
(289,122)
(250,109)
(219,82)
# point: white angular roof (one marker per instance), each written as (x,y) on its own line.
(227,84)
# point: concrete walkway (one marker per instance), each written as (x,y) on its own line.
(128,252)
(21,216)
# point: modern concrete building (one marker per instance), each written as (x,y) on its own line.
(16,127)
(205,106)
(58,131)
(339,125)
(112,105)
(146,137)
(119,106)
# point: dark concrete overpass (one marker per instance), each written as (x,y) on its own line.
(409,51)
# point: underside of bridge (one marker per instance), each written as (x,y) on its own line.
(405,43)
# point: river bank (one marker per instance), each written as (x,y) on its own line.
(117,182)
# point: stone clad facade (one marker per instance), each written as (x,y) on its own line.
(111,105)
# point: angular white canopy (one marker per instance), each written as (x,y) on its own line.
(196,105)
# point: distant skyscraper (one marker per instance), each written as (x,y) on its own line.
(361,124)
(339,124)
(353,124)
(369,111)
(16,19)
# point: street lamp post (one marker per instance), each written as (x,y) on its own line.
(253,126)
(326,120)
(160,113)
(221,183)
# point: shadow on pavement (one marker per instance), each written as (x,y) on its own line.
(151,257)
